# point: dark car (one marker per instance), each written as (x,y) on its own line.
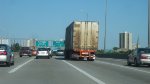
(6,55)
(25,51)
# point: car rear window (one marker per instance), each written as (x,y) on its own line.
(60,50)
(25,48)
(42,49)
(2,47)
(144,51)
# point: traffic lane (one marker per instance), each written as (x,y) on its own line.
(4,69)
(123,62)
(47,71)
(112,74)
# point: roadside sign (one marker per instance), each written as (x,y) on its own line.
(41,43)
(58,43)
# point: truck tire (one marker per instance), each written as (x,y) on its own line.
(37,57)
(90,59)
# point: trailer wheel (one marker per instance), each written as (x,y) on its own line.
(91,59)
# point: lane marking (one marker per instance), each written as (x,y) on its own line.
(112,64)
(85,73)
(20,66)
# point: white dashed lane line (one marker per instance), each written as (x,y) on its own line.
(85,73)
(20,66)
(121,66)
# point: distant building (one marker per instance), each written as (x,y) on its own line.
(30,43)
(4,41)
(125,40)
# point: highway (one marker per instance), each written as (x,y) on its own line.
(28,70)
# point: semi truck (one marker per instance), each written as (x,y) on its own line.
(81,40)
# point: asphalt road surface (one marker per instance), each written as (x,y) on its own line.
(28,70)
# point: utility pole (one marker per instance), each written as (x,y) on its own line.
(105,36)
(137,44)
(149,23)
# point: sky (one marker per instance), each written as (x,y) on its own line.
(48,19)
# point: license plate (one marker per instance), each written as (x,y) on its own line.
(43,52)
(85,58)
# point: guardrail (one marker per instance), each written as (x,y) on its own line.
(115,56)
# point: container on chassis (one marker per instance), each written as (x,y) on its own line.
(81,40)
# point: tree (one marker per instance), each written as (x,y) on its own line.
(100,52)
(15,47)
(115,48)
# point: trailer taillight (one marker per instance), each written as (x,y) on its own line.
(85,53)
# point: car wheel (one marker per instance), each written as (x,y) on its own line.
(20,55)
(48,57)
(8,64)
(128,63)
(136,64)
(29,55)
(37,57)
(13,63)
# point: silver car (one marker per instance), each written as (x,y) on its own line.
(6,55)
(43,52)
(60,53)
(140,56)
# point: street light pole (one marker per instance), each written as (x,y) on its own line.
(149,23)
(105,36)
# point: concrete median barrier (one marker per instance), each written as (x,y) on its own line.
(115,56)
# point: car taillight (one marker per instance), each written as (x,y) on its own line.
(3,53)
(144,57)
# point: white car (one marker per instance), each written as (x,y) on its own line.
(43,52)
